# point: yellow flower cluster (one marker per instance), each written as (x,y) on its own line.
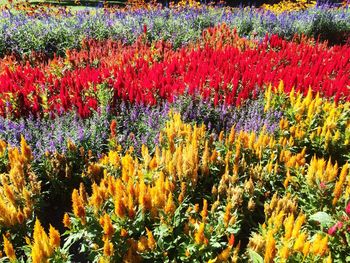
(319,119)
(129,190)
(185,3)
(43,245)
(18,186)
(154,184)
(283,235)
(243,163)
(321,171)
(288,6)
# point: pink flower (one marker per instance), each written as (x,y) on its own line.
(339,225)
(347,209)
(332,230)
(335,227)
(323,185)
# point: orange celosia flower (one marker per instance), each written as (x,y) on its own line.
(41,248)
(66,221)
(142,244)
(113,128)
(224,255)
(78,206)
(204,212)
(123,232)
(107,226)
(108,249)
(150,239)
(231,241)
(227,215)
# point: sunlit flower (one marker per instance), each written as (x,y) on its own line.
(8,248)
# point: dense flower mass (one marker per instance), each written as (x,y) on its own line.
(184,134)
(220,67)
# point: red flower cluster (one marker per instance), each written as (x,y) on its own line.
(221,67)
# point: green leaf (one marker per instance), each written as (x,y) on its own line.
(255,257)
(323,218)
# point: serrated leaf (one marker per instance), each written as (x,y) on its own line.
(255,257)
(323,218)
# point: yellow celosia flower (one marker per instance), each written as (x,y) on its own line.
(270,248)
(288,225)
(170,206)
(316,244)
(199,235)
(339,184)
(8,248)
(284,252)
(306,248)
(299,242)
(268,98)
(43,245)
(329,258)
(224,255)
(297,225)
(55,239)
(323,248)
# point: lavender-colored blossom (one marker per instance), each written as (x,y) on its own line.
(248,117)
(21,33)
(53,134)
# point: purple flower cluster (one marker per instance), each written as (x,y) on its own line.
(140,124)
(53,134)
(49,32)
(137,124)
(248,117)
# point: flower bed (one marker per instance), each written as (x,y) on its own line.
(216,148)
